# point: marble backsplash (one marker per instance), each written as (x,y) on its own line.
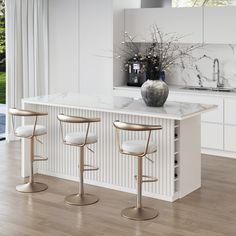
(200,69)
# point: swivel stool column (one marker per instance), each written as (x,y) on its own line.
(80,139)
(139,149)
(30,132)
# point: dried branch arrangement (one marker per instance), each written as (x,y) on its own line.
(160,55)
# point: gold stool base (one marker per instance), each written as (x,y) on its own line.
(31,187)
(81,200)
(144,213)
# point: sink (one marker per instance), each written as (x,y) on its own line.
(196,88)
(223,89)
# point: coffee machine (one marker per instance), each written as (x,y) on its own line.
(136,72)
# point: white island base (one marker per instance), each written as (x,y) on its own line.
(177,163)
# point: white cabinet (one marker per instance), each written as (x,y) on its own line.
(230,111)
(185,22)
(212,136)
(230,138)
(215,116)
(197,24)
(218,25)
(218,127)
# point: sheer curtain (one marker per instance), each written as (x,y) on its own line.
(27,51)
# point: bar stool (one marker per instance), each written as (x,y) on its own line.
(30,132)
(80,139)
(139,149)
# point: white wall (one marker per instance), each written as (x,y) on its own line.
(63,46)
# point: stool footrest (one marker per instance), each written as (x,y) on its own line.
(90,168)
(148,179)
(40,158)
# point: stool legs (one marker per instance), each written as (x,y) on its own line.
(31,186)
(139,212)
(81,198)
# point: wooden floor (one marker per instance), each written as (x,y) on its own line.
(209,211)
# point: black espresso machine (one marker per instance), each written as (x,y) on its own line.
(136,72)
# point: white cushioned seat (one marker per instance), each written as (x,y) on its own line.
(78,138)
(138,146)
(26,131)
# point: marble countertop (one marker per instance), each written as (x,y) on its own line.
(121,105)
(179,89)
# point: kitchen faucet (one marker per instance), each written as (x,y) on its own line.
(217,73)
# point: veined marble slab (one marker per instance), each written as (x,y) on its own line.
(121,105)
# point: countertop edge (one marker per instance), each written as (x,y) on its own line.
(179,89)
(118,111)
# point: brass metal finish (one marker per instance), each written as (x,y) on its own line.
(144,213)
(135,127)
(80,198)
(25,113)
(31,186)
(22,112)
(138,212)
(76,119)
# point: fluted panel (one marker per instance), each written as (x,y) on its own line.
(115,170)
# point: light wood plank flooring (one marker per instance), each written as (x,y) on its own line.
(209,211)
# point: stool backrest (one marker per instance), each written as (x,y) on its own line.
(25,113)
(22,112)
(134,127)
(76,120)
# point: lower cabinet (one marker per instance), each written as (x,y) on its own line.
(230,138)
(212,136)
(230,111)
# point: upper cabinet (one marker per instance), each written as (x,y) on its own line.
(195,24)
(186,22)
(218,25)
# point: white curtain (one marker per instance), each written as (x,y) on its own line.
(27,51)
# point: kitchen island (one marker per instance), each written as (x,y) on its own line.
(177,163)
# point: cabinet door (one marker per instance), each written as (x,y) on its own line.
(230,111)
(186,22)
(212,136)
(218,25)
(230,138)
(215,116)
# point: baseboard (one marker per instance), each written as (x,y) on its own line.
(219,153)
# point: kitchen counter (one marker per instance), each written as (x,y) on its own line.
(124,105)
(177,163)
(218,126)
(179,89)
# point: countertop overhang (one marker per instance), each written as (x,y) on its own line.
(121,105)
